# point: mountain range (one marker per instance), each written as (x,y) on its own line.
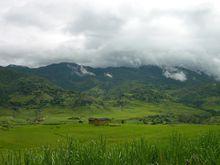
(70,84)
(71,76)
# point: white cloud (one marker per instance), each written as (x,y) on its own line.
(112,33)
(108,75)
(176,75)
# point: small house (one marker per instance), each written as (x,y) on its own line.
(99,121)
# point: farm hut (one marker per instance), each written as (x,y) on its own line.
(99,121)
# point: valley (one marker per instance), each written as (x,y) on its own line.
(152,106)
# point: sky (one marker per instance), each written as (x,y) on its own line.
(103,33)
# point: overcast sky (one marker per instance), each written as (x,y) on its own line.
(111,33)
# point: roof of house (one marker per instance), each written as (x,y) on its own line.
(101,119)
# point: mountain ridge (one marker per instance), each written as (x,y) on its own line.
(69,75)
(82,85)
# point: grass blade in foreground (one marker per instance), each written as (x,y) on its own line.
(180,151)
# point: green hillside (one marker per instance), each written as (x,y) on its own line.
(19,90)
(76,77)
(113,91)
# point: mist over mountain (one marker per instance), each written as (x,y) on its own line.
(151,51)
(112,34)
(72,76)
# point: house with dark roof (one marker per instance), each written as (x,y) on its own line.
(99,121)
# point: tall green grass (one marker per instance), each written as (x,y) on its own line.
(204,150)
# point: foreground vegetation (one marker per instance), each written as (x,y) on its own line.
(205,149)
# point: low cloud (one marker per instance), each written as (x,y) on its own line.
(175,75)
(122,33)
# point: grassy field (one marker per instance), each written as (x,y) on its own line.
(36,135)
(25,142)
(129,144)
(57,124)
(134,110)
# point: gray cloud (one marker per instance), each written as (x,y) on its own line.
(98,28)
(106,33)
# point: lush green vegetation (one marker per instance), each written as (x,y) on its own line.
(41,108)
(22,88)
(124,97)
(27,136)
(204,149)
(133,112)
